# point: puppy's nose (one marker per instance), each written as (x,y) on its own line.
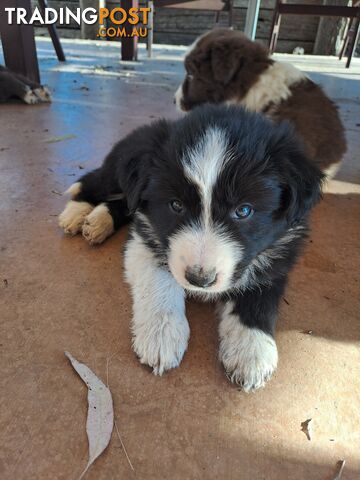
(200,278)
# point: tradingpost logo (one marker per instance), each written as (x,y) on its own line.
(118,16)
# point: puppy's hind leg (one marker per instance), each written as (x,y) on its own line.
(94,209)
(104,220)
(72,218)
(12,87)
(86,194)
(41,92)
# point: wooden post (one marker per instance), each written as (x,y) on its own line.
(330,32)
(150,38)
(129,43)
(353,42)
(252,15)
(275,27)
(89,32)
(18,42)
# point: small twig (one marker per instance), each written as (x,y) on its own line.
(287,303)
(56,192)
(339,469)
(116,427)
(123,446)
(107,367)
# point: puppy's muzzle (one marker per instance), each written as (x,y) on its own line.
(198,277)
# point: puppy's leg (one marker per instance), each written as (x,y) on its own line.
(40,91)
(88,210)
(247,347)
(72,218)
(159,326)
(11,87)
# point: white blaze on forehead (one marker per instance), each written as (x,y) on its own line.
(204,163)
(203,243)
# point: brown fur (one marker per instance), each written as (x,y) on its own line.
(224,65)
(316,119)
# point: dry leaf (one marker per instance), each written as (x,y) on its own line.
(339,470)
(306,427)
(100,419)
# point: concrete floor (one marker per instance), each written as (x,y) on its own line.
(60,294)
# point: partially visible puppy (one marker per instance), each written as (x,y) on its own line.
(225,66)
(220,202)
(13,85)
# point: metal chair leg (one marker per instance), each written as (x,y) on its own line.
(346,40)
(53,34)
(129,44)
(274,33)
(150,37)
(353,42)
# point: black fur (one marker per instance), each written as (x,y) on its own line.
(15,86)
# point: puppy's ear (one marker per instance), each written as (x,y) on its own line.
(301,183)
(224,61)
(231,54)
(135,156)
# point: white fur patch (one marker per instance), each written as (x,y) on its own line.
(31,98)
(99,225)
(204,163)
(159,325)
(208,248)
(331,171)
(249,355)
(272,86)
(204,245)
(179,95)
(72,218)
(74,189)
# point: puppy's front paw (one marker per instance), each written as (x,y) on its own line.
(161,342)
(249,355)
(73,217)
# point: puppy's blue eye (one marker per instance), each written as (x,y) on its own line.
(244,211)
(176,206)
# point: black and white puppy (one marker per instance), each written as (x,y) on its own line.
(219,201)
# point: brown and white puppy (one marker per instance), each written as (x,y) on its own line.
(225,66)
